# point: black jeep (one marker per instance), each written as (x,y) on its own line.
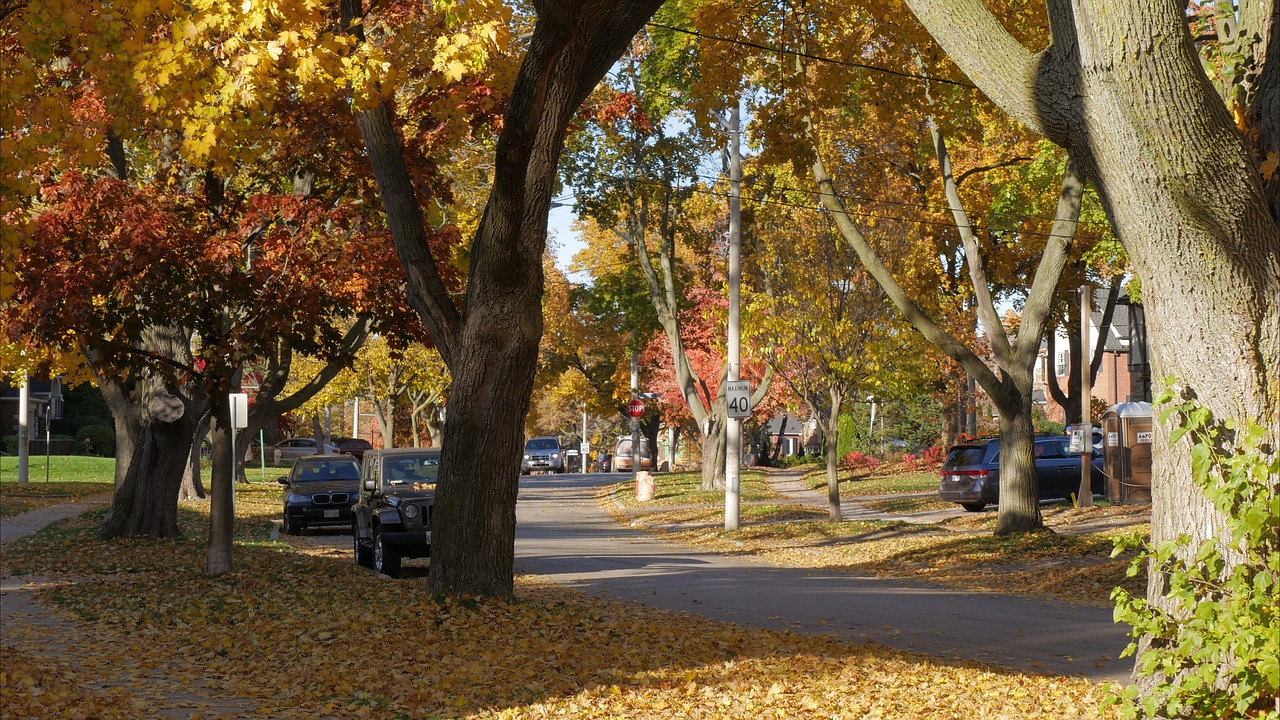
(392,519)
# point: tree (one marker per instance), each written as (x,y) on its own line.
(491,344)
(830,321)
(1188,182)
(635,174)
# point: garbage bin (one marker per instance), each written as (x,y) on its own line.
(1126,453)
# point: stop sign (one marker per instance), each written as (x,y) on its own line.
(635,408)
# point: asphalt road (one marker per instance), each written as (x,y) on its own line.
(562,535)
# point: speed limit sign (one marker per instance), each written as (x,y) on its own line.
(737,398)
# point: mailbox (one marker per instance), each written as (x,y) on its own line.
(1126,452)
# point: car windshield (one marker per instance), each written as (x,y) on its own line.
(323,470)
(543,444)
(412,469)
(624,448)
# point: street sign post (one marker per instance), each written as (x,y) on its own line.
(635,408)
(737,395)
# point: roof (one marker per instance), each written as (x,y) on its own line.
(794,424)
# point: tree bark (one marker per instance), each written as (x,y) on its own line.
(222,507)
(1121,86)
(160,417)
(491,348)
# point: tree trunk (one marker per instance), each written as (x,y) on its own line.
(491,349)
(218,558)
(713,459)
(1019,509)
(159,420)
(192,487)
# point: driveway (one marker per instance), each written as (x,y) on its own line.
(561,534)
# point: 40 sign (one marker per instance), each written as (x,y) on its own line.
(635,408)
(737,398)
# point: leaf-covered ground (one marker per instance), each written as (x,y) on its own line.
(291,634)
(1071,562)
(17,498)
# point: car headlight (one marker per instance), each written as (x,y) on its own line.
(294,498)
(526,457)
(410,511)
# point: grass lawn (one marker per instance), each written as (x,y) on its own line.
(862,482)
(295,634)
(70,477)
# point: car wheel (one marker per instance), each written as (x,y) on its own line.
(385,559)
(973,507)
(291,526)
(363,554)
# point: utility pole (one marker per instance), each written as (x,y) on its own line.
(733,438)
(24,430)
(1086,415)
(635,420)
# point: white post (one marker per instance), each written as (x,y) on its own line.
(635,421)
(581,452)
(871,428)
(733,433)
(355,419)
(24,430)
(1085,495)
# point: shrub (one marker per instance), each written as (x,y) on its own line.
(859,461)
(934,456)
(1214,651)
(97,440)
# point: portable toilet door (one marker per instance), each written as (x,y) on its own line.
(1126,459)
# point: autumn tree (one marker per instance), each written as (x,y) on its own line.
(490,345)
(836,336)
(1187,179)
(634,171)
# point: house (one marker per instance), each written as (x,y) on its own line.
(794,433)
(1123,376)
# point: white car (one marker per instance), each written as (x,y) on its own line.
(286,451)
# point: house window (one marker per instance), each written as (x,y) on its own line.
(1062,365)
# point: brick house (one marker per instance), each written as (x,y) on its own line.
(1124,374)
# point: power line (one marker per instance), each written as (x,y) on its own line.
(818,58)
(764,200)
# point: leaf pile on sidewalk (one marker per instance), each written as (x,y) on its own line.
(17,498)
(304,636)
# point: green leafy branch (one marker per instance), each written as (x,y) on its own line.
(1214,650)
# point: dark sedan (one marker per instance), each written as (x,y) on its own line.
(971,472)
(319,490)
(354,447)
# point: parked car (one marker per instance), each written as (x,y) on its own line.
(622,460)
(971,471)
(286,451)
(318,491)
(354,447)
(542,453)
(392,515)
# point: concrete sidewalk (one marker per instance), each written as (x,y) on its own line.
(20,525)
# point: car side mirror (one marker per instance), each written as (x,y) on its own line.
(282,480)
(369,485)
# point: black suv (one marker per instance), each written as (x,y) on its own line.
(318,491)
(393,513)
(971,472)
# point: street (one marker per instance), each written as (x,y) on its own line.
(562,535)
